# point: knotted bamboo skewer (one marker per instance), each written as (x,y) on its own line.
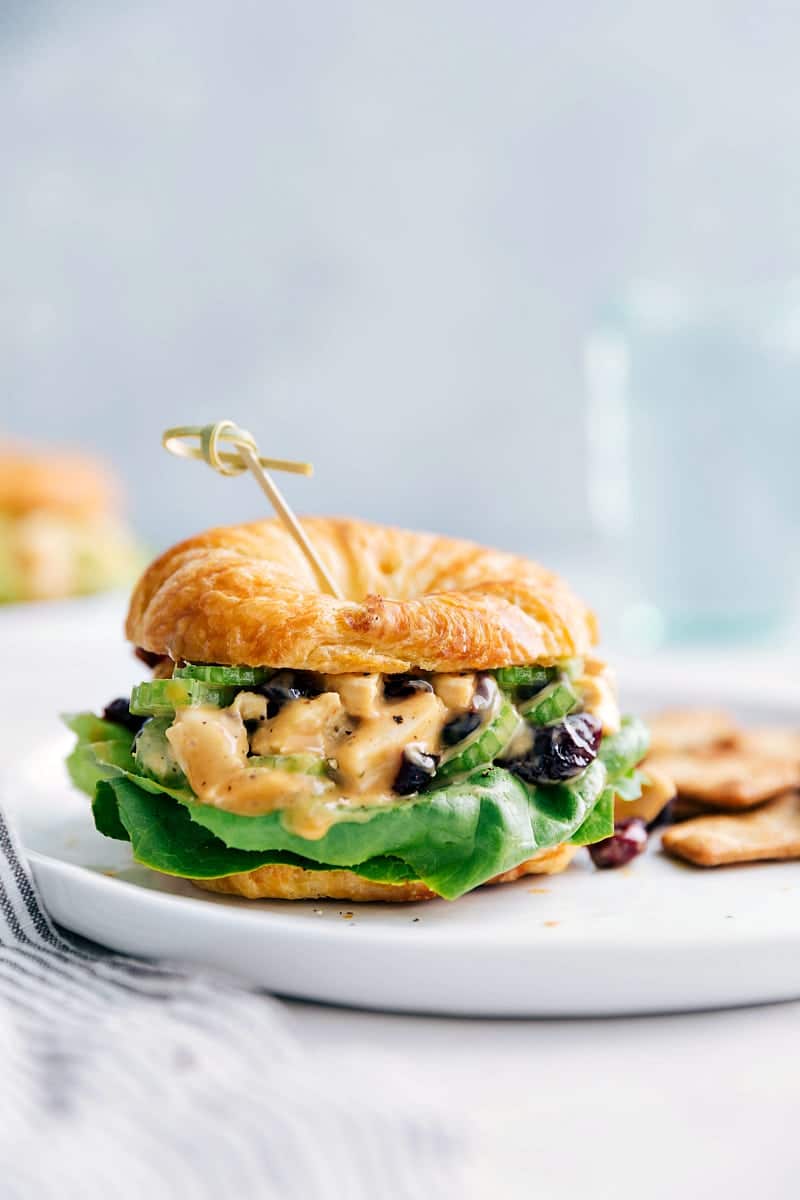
(202,442)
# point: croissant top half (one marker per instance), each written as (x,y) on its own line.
(245,594)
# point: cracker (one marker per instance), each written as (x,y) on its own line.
(729,778)
(688,729)
(776,741)
(769,832)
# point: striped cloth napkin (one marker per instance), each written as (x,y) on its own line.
(127,1079)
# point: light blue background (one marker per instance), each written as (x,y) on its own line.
(374,233)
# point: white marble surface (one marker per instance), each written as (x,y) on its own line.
(657,1107)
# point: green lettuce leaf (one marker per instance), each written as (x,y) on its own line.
(624,750)
(629,786)
(165,838)
(106,810)
(102,750)
(599,823)
(453,838)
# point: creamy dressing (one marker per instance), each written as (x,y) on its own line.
(363,749)
(211,746)
(361,734)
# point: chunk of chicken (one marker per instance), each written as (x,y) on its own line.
(361,695)
(369,758)
(456,691)
(301,727)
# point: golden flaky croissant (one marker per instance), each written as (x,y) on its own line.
(294,883)
(437,728)
(246,594)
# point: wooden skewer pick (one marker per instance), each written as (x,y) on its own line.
(245,457)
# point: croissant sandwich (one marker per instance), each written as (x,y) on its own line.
(446,725)
(60,529)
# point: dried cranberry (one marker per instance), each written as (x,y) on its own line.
(285,686)
(120,713)
(416,770)
(560,751)
(398,687)
(628,840)
(460,727)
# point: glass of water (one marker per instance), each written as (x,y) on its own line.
(694,437)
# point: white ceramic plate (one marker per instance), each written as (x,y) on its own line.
(653,937)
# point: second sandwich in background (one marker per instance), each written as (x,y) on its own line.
(61,531)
